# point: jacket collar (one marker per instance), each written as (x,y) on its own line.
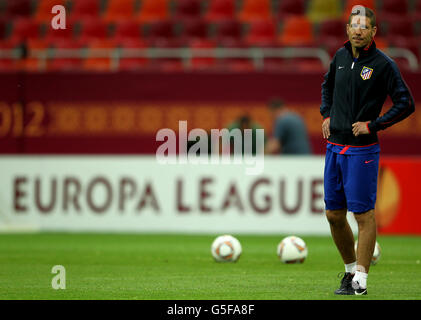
(369,50)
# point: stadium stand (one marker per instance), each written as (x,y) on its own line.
(287,8)
(92,29)
(200,24)
(24,29)
(56,63)
(18,8)
(53,36)
(203,63)
(153,11)
(262,33)
(220,10)
(98,57)
(127,30)
(331,35)
(43,10)
(297,31)
(229,33)
(321,10)
(253,10)
(84,9)
(162,34)
(119,10)
(187,10)
(192,31)
(392,8)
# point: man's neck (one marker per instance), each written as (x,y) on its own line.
(355,52)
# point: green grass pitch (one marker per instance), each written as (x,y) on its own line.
(180,267)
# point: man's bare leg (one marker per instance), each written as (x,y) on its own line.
(367,232)
(342,234)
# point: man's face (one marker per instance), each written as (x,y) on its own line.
(360,32)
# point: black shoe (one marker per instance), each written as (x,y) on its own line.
(346,284)
(358,290)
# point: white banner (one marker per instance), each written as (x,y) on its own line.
(137,194)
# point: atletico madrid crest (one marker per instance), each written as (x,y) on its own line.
(366,73)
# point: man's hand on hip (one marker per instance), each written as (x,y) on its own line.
(360,128)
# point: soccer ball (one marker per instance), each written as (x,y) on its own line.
(226,248)
(376,254)
(292,249)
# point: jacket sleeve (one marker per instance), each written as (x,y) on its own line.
(403,102)
(327,90)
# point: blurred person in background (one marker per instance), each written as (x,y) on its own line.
(290,136)
(242,123)
(353,92)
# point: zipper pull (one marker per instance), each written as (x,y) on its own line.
(352,66)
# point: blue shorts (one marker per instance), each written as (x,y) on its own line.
(350,180)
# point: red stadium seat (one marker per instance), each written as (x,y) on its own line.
(187,9)
(128,30)
(332,35)
(229,34)
(400,27)
(401,33)
(119,10)
(18,8)
(297,31)
(393,8)
(333,28)
(291,7)
(85,9)
(60,34)
(194,30)
(43,11)
(24,29)
(220,10)
(162,34)
(153,11)
(262,34)
(254,10)
(92,29)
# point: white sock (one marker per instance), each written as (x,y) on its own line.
(361,278)
(350,267)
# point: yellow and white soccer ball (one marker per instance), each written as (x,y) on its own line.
(292,249)
(226,248)
(376,254)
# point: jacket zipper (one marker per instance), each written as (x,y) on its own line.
(352,88)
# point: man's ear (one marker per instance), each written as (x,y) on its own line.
(374,31)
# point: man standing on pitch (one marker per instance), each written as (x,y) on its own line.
(353,93)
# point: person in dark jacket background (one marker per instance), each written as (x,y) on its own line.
(353,93)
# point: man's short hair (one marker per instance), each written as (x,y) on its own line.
(359,11)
